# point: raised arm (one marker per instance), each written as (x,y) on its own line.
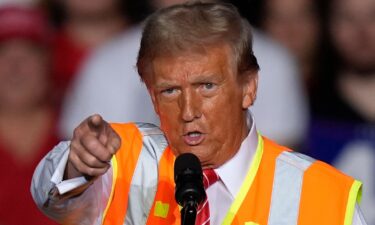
(72,183)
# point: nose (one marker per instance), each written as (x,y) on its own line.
(190,106)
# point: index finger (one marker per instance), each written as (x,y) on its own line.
(95,122)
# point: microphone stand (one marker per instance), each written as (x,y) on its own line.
(189,213)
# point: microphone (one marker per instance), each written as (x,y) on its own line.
(189,190)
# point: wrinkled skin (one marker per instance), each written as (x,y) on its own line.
(202,102)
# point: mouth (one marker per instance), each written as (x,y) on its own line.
(193,138)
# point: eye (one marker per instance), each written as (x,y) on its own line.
(208,86)
(168,91)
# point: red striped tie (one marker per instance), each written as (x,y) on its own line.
(203,213)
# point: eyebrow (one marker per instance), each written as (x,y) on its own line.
(165,84)
(207,78)
(198,78)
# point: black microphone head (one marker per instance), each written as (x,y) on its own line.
(186,161)
(189,179)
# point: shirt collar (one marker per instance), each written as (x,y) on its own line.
(233,172)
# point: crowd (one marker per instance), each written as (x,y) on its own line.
(61,61)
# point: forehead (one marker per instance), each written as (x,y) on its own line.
(209,61)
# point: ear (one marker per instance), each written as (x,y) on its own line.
(249,88)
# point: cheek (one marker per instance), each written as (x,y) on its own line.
(222,115)
(169,121)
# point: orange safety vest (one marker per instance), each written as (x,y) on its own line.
(281,187)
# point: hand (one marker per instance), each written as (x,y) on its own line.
(92,147)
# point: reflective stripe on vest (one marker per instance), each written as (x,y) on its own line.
(281,187)
(122,173)
(287,187)
(165,209)
(321,194)
(146,175)
(140,144)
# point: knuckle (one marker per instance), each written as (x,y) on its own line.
(91,161)
(73,158)
(77,132)
(78,166)
(92,144)
(107,156)
(104,156)
(74,145)
(117,142)
(76,162)
(114,145)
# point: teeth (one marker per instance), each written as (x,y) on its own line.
(194,134)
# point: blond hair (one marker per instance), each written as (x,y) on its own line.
(191,27)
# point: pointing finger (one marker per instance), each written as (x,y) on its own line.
(95,122)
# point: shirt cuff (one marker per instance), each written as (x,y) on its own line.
(66,185)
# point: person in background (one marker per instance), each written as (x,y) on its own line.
(81,27)
(27,118)
(296,24)
(113,66)
(199,68)
(343,103)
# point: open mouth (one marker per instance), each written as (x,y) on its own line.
(193,138)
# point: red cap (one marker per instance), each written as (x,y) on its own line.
(23,22)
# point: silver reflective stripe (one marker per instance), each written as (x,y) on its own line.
(287,186)
(145,178)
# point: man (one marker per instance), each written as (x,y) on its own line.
(113,65)
(197,63)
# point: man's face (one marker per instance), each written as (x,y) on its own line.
(202,102)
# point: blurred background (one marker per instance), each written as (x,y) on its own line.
(63,60)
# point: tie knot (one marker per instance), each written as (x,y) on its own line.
(209,177)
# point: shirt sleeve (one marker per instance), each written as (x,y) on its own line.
(64,186)
(73,201)
(358,218)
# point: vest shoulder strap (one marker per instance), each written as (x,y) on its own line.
(292,188)
(141,148)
